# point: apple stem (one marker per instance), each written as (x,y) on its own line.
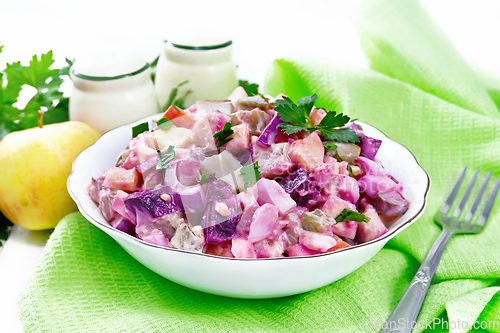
(40,118)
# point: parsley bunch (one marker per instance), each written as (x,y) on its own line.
(296,118)
(48,97)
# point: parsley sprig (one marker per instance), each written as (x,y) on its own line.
(296,118)
(223,136)
(250,173)
(350,215)
(163,161)
(49,98)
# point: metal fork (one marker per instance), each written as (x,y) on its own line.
(404,317)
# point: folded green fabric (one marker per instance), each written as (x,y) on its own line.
(420,93)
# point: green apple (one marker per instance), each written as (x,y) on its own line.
(34,166)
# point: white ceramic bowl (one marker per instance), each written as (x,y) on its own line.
(247,278)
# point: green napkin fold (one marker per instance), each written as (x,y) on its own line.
(419,92)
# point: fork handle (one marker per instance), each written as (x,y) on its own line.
(404,317)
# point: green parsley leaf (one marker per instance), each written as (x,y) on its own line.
(164,123)
(223,136)
(350,215)
(205,177)
(296,118)
(163,161)
(250,88)
(329,145)
(173,95)
(250,173)
(291,113)
(136,130)
(48,98)
(340,135)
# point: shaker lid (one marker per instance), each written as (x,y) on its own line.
(108,65)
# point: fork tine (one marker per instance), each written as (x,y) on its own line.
(486,212)
(473,208)
(461,205)
(446,206)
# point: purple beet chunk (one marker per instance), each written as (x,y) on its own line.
(219,228)
(302,188)
(150,201)
(271,132)
(218,189)
(369,146)
(124,225)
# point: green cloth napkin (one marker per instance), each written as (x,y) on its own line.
(419,92)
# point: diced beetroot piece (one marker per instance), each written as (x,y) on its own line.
(193,199)
(122,179)
(340,244)
(139,151)
(372,229)
(369,167)
(124,225)
(274,161)
(346,229)
(339,185)
(369,146)
(218,189)
(299,250)
(156,239)
(150,204)
(270,247)
(391,203)
(242,248)
(188,171)
(265,220)
(372,185)
(271,132)
(240,140)
(308,153)
(302,189)
(317,115)
(106,198)
(334,206)
(222,249)
(316,241)
(119,206)
(243,227)
(269,191)
(237,93)
(217,227)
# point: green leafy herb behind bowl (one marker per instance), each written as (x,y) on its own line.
(49,98)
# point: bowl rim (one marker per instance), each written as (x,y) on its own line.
(385,237)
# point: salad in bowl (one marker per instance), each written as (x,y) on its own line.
(250,177)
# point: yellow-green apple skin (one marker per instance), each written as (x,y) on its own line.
(34,166)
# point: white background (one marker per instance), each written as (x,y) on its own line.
(261,31)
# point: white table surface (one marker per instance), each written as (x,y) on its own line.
(261,31)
